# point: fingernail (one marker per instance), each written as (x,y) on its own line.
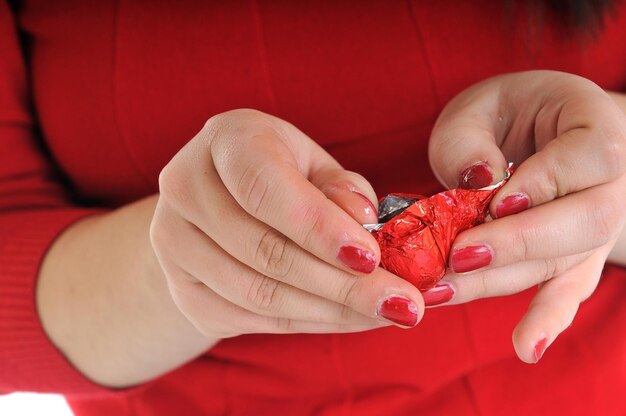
(512,204)
(540,348)
(470,258)
(438,295)
(476,176)
(357,259)
(371,208)
(399,310)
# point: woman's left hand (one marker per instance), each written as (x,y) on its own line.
(558,217)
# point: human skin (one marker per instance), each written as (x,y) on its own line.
(559,216)
(256,230)
(246,236)
(618,253)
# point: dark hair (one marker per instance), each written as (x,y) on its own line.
(579,17)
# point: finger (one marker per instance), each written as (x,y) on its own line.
(523,113)
(203,259)
(507,280)
(350,191)
(463,149)
(582,146)
(543,232)
(274,188)
(273,255)
(209,313)
(554,306)
(215,316)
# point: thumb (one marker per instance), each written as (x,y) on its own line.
(463,149)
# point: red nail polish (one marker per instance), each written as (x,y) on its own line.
(372,209)
(512,204)
(540,348)
(476,176)
(470,258)
(399,310)
(438,295)
(357,259)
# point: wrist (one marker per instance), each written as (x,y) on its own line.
(104,301)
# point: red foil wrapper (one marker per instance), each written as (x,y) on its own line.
(416,233)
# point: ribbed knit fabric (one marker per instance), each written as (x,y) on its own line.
(34,210)
(25,351)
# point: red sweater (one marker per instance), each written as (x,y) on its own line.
(96,97)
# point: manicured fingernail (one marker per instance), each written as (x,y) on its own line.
(512,204)
(540,348)
(470,258)
(357,259)
(371,208)
(476,176)
(401,311)
(438,295)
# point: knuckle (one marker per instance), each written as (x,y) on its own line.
(173,187)
(270,325)
(178,291)
(283,325)
(346,314)
(227,132)
(348,291)
(216,124)
(254,188)
(161,236)
(312,217)
(521,242)
(242,113)
(156,233)
(237,116)
(604,217)
(239,122)
(263,293)
(484,286)
(218,132)
(273,254)
(182,292)
(552,184)
(548,269)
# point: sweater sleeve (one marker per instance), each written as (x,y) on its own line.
(34,210)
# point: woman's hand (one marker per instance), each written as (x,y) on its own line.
(558,217)
(258,230)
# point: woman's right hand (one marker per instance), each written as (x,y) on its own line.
(257,230)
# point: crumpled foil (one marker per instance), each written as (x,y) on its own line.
(415,233)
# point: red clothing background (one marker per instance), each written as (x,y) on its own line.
(106,92)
